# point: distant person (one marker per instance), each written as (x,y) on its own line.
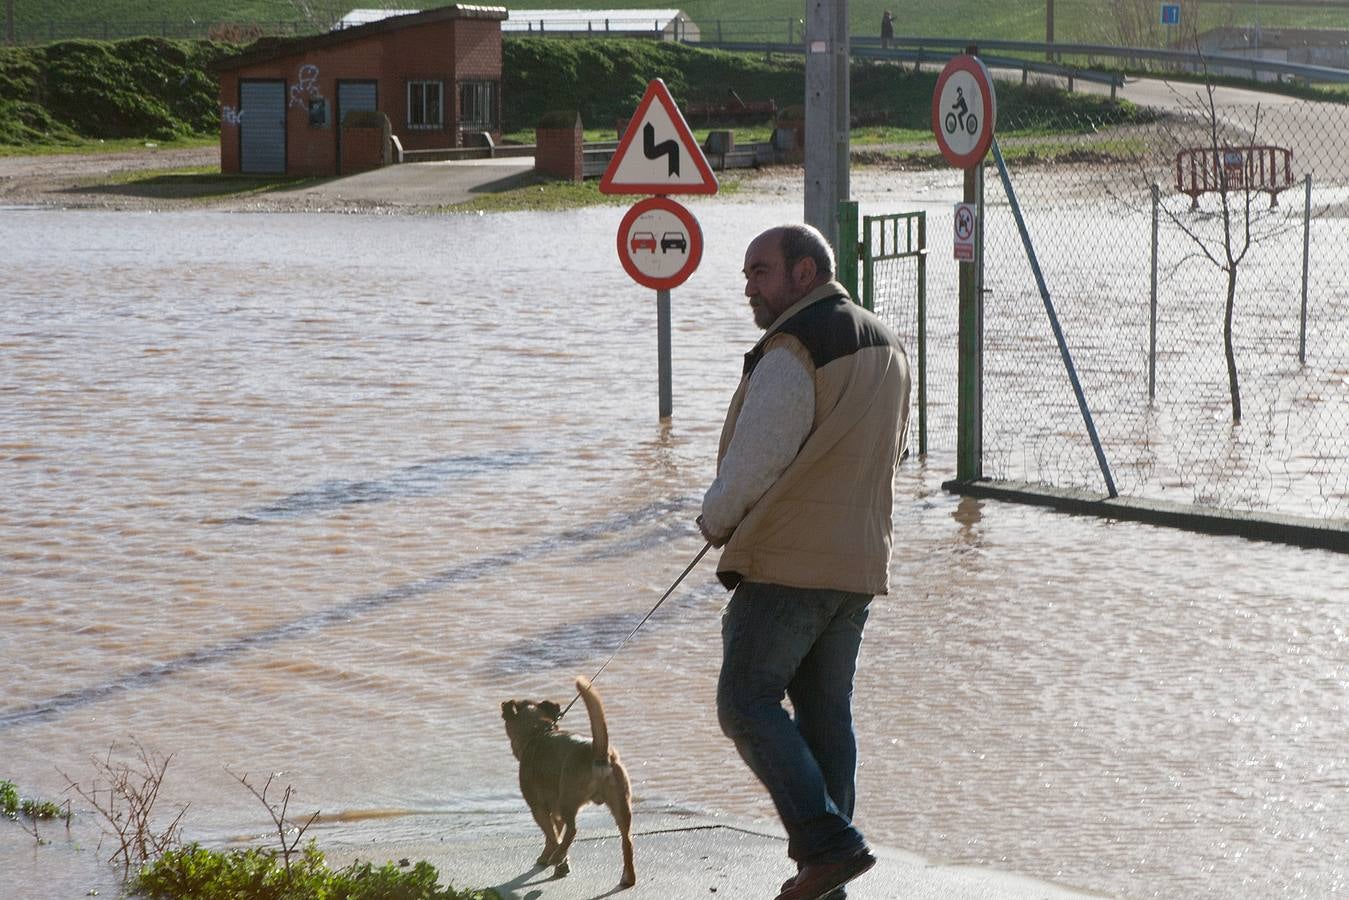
(801,504)
(887,30)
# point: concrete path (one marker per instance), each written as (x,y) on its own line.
(680,855)
(424,184)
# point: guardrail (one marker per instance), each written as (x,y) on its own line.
(921,55)
(1180,58)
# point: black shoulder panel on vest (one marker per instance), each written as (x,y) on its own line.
(834,328)
(830,329)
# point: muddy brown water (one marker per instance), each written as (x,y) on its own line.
(312,494)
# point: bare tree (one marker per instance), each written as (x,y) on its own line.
(1226,164)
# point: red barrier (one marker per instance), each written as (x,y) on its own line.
(1265,168)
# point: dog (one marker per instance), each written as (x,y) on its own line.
(562,772)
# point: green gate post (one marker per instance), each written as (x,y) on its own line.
(847,249)
(922,334)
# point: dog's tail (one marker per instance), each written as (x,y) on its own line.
(599,729)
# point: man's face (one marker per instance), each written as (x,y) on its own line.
(770,286)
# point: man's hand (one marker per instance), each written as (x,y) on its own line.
(716,540)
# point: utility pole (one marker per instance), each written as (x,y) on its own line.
(1049,30)
(827,114)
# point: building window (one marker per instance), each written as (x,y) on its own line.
(426,104)
(477,106)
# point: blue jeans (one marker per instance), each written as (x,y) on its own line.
(800,643)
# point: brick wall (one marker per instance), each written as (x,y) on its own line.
(365,142)
(558,150)
(446,51)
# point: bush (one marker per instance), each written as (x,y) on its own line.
(196,873)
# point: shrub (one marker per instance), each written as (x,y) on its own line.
(196,873)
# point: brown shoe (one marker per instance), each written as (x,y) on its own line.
(837,894)
(816,882)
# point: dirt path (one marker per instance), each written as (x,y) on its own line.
(77,179)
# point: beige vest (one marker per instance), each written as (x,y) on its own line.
(826,523)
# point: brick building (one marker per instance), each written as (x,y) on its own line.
(286,106)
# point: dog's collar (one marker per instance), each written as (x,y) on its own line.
(524,751)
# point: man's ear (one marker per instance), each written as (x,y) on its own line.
(804,272)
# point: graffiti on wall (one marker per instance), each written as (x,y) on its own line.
(231,116)
(306,89)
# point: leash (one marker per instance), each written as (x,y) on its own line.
(687,569)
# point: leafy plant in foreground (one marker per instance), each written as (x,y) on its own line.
(196,873)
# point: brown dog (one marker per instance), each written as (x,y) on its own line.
(561,772)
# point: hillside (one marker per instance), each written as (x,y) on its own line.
(1123,21)
(153,88)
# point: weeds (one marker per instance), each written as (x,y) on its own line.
(28,812)
(279,819)
(124,796)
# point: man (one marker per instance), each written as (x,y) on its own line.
(802,503)
(887,30)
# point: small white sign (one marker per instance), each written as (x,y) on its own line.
(965,219)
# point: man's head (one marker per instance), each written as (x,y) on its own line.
(782,265)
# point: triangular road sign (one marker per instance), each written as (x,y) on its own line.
(658,154)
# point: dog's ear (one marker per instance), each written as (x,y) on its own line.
(551,710)
(508,710)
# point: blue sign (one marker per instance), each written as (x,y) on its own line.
(1170,13)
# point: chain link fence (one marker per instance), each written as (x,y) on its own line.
(1152,350)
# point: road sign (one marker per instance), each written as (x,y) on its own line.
(1170,13)
(964,111)
(657,153)
(964,232)
(659,243)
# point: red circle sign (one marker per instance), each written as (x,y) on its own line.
(659,243)
(964,112)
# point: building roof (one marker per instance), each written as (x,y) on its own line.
(549,19)
(393,20)
(592,19)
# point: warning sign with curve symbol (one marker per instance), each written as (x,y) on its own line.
(657,153)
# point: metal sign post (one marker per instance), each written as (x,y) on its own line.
(659,242)
(964,114)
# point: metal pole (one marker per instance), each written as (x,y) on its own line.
(1152,307)
(1306,267)
(847,250)
(922,334)
(663,351)
(826,154)
(969,431)
(1054,321)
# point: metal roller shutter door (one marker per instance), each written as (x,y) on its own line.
(262,127)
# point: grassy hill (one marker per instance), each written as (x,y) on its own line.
(154,88)
(1075,20)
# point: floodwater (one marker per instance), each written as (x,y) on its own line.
(312,494)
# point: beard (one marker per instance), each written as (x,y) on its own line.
(763,316)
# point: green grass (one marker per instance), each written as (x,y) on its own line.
(550,196)
(78,145)
(191,183)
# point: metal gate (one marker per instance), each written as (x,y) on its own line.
(262,127)
(893,255)
(353,96)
